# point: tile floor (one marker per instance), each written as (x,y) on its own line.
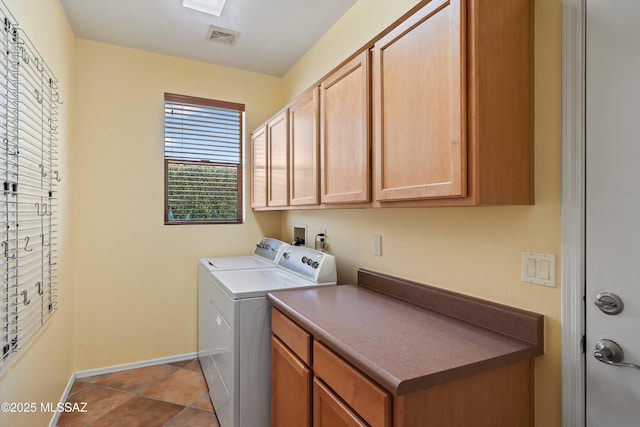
(168,395)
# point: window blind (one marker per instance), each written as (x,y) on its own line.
(29,101)
(203,160)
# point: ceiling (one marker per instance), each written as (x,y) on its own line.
(274,34)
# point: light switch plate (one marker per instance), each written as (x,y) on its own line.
(377,245)
(539,269)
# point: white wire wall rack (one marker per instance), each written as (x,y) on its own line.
(29,177)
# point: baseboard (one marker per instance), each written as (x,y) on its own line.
(63,398)
(135,365)
(116,368)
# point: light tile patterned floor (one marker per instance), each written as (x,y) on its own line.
(168,395)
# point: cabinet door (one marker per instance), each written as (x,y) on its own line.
(419,109)
(368,400)
(278,155)
(259,168)
(290,388)
(304,140)
(330,411)
(344,133)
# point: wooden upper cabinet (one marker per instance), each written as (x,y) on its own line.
(259,168)
(344,133)
(278,164)
(304,135)
(419,95)
(438,112)
(452,106)
(500,112)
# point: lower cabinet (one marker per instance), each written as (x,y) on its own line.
(290,388)
(368,400)
(330,411)
(313,386)
(340,394)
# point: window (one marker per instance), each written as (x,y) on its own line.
(202,160)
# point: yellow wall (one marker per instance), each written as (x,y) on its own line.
(41,371)
(136,292)
(475,251)
(128,287)
(358,26)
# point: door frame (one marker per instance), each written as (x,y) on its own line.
(573,195)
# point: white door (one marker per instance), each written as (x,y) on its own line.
(613,210)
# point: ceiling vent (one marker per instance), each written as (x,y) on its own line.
(222,35)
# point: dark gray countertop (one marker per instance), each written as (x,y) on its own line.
(402,346)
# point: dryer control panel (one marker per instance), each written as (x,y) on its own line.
(270,249)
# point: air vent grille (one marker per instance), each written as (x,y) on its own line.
(222,35)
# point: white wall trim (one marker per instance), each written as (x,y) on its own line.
(116,368)
(63,398)
(573,212)
(135,365)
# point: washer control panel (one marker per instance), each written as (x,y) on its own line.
(310,264)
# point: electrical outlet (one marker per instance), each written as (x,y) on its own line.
(320,243)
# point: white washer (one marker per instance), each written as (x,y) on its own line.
(265,254)
(238,371)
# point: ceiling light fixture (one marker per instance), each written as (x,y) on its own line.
(212,7)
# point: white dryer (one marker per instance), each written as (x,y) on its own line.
(239,372)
